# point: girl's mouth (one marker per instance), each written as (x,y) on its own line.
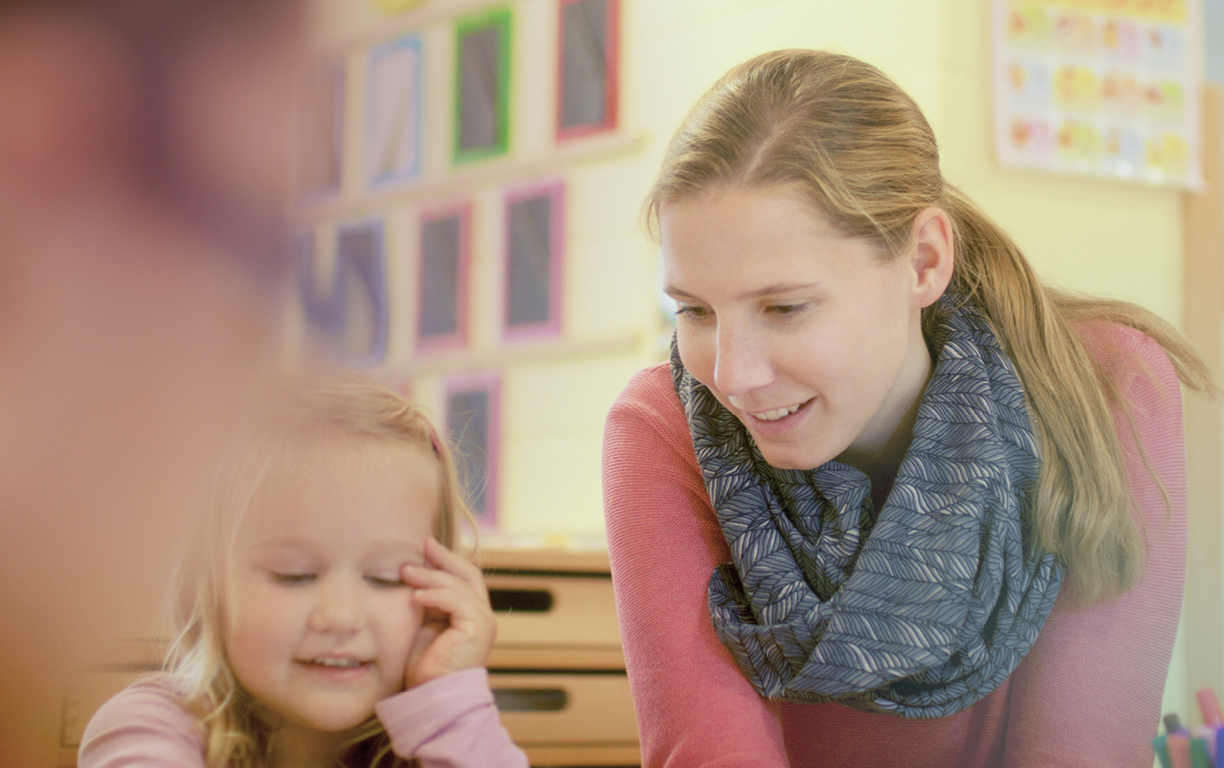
(334,662)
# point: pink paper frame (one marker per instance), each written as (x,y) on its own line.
(552,327)
(612,83)
(491,384)
(459,339)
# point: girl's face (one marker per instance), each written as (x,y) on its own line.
(321,624)
(810,338)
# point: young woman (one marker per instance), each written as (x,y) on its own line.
(892,502)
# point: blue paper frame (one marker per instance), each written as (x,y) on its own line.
(393,112)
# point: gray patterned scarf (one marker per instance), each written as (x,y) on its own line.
(919,610)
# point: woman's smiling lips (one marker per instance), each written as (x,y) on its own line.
(774,421)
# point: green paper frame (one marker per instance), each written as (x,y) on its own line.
(501,19)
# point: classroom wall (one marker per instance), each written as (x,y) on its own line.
(1120,239)
(1114,238)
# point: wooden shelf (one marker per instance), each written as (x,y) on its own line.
(512,352)
(458,181)
(537,560)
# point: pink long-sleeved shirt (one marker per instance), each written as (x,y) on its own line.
(1088,694)
(450,722)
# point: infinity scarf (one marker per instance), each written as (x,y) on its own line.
(919,610)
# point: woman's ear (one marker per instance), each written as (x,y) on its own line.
(931,255)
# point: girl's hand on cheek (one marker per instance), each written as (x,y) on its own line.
(458,624)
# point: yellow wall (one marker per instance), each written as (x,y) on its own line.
(1114,238)
(1120,239)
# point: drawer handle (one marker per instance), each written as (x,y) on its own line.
(521,600)
(530,699)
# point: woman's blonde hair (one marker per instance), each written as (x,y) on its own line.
(237,733)
(847,136)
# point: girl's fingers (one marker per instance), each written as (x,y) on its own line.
(427,578)
(456,605)
(450,562)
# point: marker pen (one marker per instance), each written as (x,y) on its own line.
(1209,706)
(1208,737)
(1198,754)
(1177,742)
(1213,723)
(1162,751)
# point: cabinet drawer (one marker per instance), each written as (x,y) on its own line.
(553,611)
(566,710)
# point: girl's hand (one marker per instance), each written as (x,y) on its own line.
(458,625)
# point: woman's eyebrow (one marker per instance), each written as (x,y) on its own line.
(768,290)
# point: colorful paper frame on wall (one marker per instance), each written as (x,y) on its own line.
(588,57)
(442,277)
(320,133)
(473,425)
(321,305)
(482,85)
(361,282)
(393,112)
(533,262)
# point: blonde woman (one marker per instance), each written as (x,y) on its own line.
(892,502)
(323,618)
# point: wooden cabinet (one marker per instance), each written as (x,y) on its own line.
(557,670)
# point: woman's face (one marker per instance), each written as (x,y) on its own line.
(810,338)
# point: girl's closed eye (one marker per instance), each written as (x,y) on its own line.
(385,581)
(292,577)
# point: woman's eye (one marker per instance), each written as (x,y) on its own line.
(692,313)
(293,578)
(786,309)
(380,581)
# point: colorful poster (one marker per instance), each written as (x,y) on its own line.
(1106,88)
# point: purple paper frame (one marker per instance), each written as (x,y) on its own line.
(372,275)
(554,190)
(489,383)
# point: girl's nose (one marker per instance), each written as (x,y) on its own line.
(338,607)
(740,363)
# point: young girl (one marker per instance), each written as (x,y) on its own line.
(322,619)
(892,502)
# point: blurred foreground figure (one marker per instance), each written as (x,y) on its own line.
(142,171)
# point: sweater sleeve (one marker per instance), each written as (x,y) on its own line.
(694,707)
(1089,692)
(451,722)
(143,725)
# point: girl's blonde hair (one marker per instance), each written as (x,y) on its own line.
(237,734)
(849,138)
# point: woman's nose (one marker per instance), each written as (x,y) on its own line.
(741,364)
(337,608)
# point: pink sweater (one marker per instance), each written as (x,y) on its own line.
(1088,694)
(450,722)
